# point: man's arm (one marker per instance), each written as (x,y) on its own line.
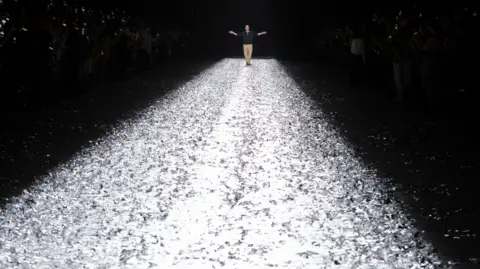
(262,33)
(233,33)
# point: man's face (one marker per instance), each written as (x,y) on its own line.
(247,28)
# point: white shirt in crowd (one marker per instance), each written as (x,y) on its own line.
(357,47)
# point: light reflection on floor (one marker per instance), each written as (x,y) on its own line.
(236,169)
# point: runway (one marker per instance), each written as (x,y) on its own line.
(236,168)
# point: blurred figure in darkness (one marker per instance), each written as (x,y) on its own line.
(143,45)
(7,35)
(76,55)
(428,42)
(402,49)
(121,53)
(40,33)
(357,51)
(380,56)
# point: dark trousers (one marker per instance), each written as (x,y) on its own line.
(143,60)
(357,69)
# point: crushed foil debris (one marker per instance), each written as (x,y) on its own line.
(237,168)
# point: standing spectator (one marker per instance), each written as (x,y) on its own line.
(402,52)
(357,49)
(429,43)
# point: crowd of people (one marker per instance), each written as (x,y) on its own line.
(414,55)
(47,46)
(53,48)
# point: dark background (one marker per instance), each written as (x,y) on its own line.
(290,24)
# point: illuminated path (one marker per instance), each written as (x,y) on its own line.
(236,169)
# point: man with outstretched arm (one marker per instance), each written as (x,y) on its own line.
(247,37)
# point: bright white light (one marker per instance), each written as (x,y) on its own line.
(237,168)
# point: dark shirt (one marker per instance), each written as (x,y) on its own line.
(247,38)
(403,46)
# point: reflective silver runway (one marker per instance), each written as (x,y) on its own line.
(236,169)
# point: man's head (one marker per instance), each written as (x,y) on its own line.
(247,27)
